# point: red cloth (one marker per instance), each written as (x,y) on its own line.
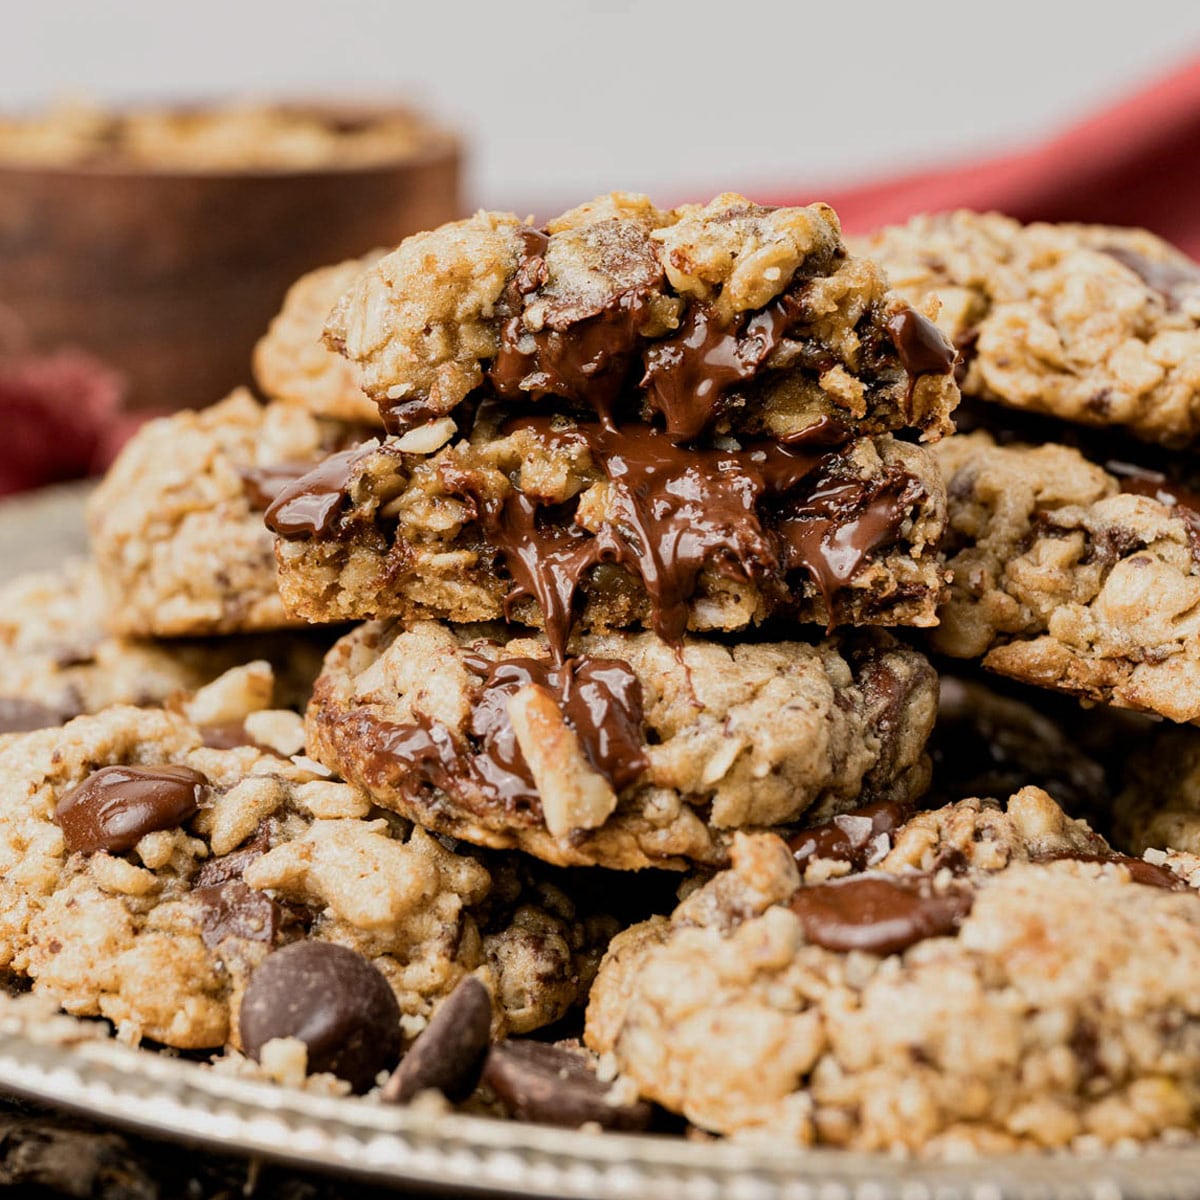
(1136,163)
(60,418)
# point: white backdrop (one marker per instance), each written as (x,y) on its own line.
(566,99)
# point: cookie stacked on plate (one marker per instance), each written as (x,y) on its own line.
(647,522)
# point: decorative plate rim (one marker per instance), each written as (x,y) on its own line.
(176,1099)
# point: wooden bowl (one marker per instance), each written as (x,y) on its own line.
(171,275)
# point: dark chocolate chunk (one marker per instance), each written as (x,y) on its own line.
(859,838)
(880,914)
(234,910)
(554,1085)
(334,1001)
(923,348)
(116,806)
(448,1055)
(18,715)
(309,505)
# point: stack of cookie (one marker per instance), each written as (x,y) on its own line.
(647,522)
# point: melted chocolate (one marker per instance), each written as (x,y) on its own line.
(923,348)
(688,374)
(19,715)
(263,484)
(309,505)
(600,698)
(1171,280)
(752,514)
(860,838)
(833,532)
(585,361)
(114,807)
(399,416)
(880,914)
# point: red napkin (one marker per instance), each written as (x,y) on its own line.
(1136,163)
(60,418)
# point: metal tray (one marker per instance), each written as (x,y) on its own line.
(179,1100)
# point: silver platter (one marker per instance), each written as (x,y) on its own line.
(175,1099)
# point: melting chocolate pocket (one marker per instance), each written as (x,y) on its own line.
(880,914)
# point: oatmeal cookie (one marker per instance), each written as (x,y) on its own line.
(292,364)
(176,526)
(1072,577)
(145,875)
(59,661)
(534,519)
(718,318)
(1087,323)
(632,752)
(939,1011)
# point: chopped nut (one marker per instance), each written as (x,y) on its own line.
(574,795)
(279,729)
(232,696)
(425,439)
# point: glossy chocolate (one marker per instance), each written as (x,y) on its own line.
(555,1085)
(601,700)
(923,348)
(334,1001)
(860,838)
(688,374)
(114,807)
(880,914)
(585,361)
(309,505)
(263,484)
(449,1053)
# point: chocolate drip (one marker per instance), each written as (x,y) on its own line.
(114,807)
(19,715)
(1140,871)
(582,360)
(601,699)
(1171,280)
(923,348)
(263,484)
(880,914)
(839,525)
(688,374)
(860,838)
(309,505)
(751,514)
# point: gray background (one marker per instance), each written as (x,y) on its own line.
(566,99)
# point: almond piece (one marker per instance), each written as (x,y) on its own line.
(573,794)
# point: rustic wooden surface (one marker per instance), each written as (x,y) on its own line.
(44,1153)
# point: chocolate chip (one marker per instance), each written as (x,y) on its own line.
(234,910)
(308,506)
(553,1085)
(114,807)
(923,348)
(879,914)
(334,1001)
(858,838)
(1140,871)
(448,1056)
